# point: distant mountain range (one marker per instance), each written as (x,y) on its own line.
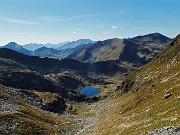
(45,52)
(60,46)
(141,48)
(28,49)
(74,44)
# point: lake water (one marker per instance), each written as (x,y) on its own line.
(89,91)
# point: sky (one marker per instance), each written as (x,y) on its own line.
(55,21)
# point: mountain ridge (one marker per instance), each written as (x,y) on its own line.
(14,46)
(74,44)
(111,49)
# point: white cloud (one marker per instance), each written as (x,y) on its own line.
(138,27)
(74,32)
(20,21)
(114,27)
(60,19)
(100,26)
(12,20)
(48,18)
(77,29)
(107,32)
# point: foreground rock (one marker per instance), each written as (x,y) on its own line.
(30,112)
(165,131)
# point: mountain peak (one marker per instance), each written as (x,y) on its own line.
(152,39)
(155,34)
(152,35)
(16,47)
(177,37)
(41,49)
(12,44)
(84,39)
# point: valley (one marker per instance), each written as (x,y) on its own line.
(138,79)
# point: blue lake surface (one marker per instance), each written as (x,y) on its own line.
(89,91)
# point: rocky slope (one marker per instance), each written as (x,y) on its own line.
(165,131)
(151,44)
(31,112)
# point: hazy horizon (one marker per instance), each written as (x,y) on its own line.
(56,21)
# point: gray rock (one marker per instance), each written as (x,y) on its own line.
(167,95)
(8,126)
(27,96)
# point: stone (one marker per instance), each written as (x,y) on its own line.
(167,95)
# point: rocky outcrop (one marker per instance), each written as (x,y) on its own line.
(52,102)
(13,98)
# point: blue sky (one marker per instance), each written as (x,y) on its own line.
(54,21)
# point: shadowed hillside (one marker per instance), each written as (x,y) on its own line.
(53,65)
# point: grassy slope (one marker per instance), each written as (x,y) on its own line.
(110,51)
(144,107)
(101,51)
